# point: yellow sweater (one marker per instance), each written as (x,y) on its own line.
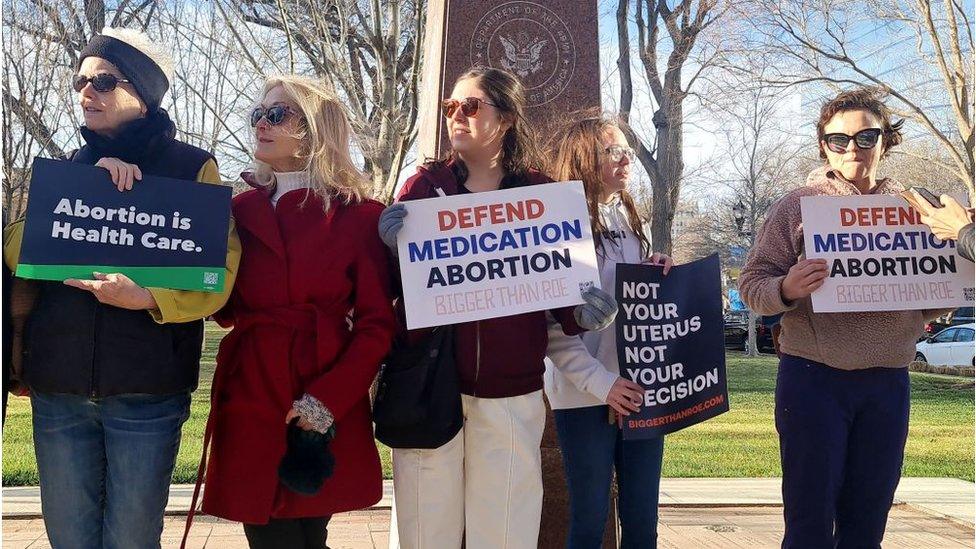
(172,305)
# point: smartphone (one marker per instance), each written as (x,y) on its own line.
(928,195)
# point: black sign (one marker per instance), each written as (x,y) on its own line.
(163,233)
(670,341)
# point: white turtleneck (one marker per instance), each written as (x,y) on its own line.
(289,181)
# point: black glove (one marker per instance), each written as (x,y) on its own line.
(308,460)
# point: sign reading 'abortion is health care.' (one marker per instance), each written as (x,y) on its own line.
(671,341)
(486,255)
(880,257)
(164,233)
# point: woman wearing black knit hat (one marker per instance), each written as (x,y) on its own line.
(110,365)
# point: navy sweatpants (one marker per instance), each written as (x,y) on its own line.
(842,442)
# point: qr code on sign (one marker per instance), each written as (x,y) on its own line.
(209,278)
(969,293)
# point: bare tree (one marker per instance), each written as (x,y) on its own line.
(368,50)
(41,42)
(765,156)
(932,83)
(684,22)
(214,84)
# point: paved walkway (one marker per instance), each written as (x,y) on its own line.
(695,514)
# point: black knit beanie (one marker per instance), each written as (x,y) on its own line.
(146,76)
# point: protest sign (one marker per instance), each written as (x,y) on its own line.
(880,256)
(670,340)
(486,255)
(164,233)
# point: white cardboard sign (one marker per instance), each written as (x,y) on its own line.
(492,254)
(881,257)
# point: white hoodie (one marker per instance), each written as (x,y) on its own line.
(586,366)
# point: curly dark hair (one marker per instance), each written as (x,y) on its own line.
(865,98)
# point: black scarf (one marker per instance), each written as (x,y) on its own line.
(137,140)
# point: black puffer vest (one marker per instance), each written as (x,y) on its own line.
(74,344)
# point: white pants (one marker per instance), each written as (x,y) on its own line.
(486,483)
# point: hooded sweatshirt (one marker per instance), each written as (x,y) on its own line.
(846,341)
(582,369)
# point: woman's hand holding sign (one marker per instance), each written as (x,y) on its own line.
(663,260)
(116,290)
(390,223)
(803,279)
(599,310)
(625,396)
(123,174)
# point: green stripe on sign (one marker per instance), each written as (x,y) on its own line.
(205,279)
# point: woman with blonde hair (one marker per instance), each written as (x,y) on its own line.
(311,320)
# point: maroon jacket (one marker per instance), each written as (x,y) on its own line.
(497,357)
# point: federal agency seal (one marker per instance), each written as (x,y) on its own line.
(530,41)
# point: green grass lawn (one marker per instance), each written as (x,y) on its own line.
(740,443)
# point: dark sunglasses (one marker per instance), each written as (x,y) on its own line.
(617,153)
(864,139)
(275,114)
(102,82)
(469,106)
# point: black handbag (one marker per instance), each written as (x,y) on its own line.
(418,401)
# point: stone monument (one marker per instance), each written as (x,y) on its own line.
(553,46)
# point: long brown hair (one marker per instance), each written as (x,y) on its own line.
(576,153)
(519,151)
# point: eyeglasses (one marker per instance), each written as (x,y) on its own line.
(616,153)
(469,106)
(101,82)
(275,114)
(864,139)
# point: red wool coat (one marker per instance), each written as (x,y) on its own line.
(302,270)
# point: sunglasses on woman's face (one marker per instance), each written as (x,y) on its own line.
(864,139)
(617,153)
(469,106)
(102,82)
(275,114)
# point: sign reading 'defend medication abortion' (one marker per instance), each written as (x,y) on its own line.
(164,233)
(492,254)
(670,340)
(881,257)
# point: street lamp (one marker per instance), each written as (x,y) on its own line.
(739,214)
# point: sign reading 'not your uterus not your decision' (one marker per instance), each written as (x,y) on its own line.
(881,257)
(485,255)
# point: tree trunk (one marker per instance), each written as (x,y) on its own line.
(667,182)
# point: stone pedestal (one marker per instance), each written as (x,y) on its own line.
(555,501)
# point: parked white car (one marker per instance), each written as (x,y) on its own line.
(950,347)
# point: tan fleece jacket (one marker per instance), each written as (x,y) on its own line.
(848,341)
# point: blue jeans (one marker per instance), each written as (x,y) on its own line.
(592,449)
(842,443)
(105,466)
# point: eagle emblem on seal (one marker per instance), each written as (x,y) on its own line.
(522,53)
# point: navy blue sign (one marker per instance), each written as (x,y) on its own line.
(670,340)
(163,233)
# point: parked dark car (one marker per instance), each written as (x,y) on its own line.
(962,315)
(737,331)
